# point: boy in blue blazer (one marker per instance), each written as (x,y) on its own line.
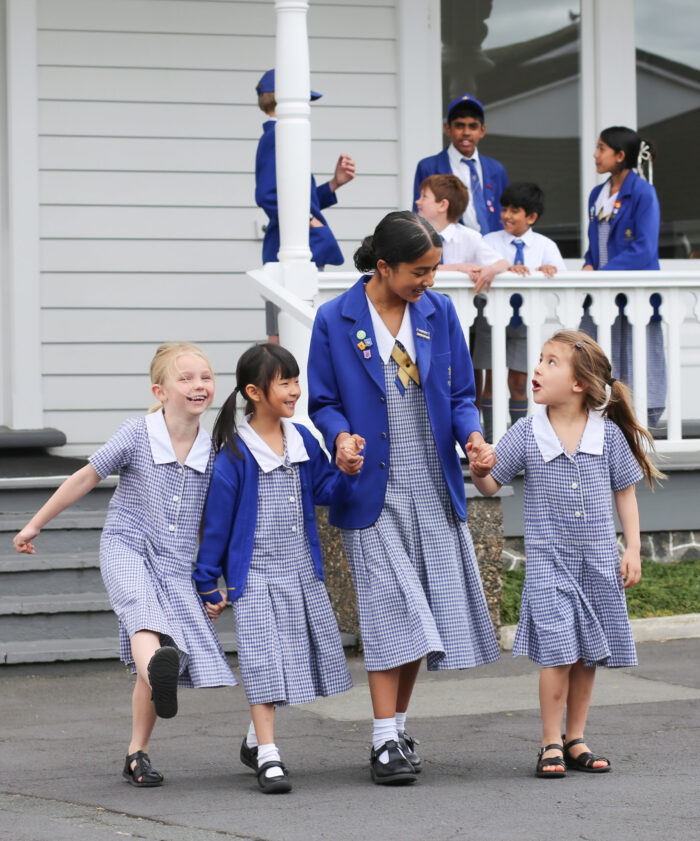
(322,243)
(484,178)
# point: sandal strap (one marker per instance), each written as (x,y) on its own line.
(274,763)
(573,742)
(588,759)
(552,747)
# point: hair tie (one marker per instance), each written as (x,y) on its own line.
(579,345)
(644,157)
(611,381)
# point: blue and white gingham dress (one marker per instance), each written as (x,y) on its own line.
(573,604)
(289,646)
(146,552)
(416,577)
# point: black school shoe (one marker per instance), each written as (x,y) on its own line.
(249,756)
(407,745)
(274,785)
(397,771)
(143,774)
(163,672)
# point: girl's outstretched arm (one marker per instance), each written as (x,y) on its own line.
(73,489)
(628,512)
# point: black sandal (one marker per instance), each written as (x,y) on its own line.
(543,761)
(277,784)
(142,775)
(584,761)
(163,672)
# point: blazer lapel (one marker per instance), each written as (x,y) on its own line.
(623,197)
(444,166)
(356,310)
(421,312)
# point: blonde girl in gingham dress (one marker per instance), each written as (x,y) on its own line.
(582,449)
(148,543)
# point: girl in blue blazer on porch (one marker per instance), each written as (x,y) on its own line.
(259,532)
(389,363)
(623,234)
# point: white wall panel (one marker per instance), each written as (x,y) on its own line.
(148,127)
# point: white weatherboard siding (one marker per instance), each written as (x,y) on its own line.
(148,126)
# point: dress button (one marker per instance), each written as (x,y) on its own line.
(291,499)
(382,465)
(577,513)
(294,528)
(171,528)
(288,470)
(179,470)
(383,434)
(176,498)
(574,485)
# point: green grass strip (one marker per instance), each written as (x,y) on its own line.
(665,590)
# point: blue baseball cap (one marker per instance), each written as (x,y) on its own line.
(476,105)
(267,85)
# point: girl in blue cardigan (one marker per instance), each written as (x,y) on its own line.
(259,532)
(388,362)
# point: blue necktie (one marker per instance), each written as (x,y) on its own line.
(478,196)
(519,252)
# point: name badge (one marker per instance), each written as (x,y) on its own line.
(422,334)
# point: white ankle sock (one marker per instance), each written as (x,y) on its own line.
(401,722)
(384,729)
(269,753)
(251,739)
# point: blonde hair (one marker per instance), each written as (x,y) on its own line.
(593,371)
(166,359)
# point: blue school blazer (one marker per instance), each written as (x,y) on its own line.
(231,512)
(324,246)
(634,230)
(347,394)
(495,182)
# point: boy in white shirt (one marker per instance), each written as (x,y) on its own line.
(442,201)
(522,205)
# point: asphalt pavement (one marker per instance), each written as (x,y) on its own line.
(64,730)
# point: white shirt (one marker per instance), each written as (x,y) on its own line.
(538,251)
(463,245)
(162,447)
(605,202)
(464,173)
(385,341)
(549,444)
(265,456)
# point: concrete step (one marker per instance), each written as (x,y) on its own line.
(56,615)
(75,579)
(53,542)
(73,518)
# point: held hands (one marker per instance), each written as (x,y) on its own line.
(631,567)
(348,449)
(482,456)
(215,610)
(344,172)
(23,540)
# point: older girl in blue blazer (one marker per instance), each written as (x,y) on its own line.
(259,532)
(623,234)
(388,363)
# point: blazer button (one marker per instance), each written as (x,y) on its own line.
(382,399)
(382,465)
(383,434)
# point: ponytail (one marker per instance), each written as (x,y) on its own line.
(223,435)
(619,409)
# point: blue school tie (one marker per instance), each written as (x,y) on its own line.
(478,196)
(519,252)
(407,368)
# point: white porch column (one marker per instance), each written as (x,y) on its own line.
(20,309)
(608,82)
(295,271)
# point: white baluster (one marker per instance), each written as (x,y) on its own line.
(673,311)
(638,314)
(499,315)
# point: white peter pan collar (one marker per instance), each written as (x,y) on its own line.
(267,458)
(550,446)
(162,447)
(385,341)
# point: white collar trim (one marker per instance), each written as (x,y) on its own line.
(266,457)
(385,341)
(550,446)
(162,447)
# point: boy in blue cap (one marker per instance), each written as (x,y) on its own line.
(484,178)
(324,246)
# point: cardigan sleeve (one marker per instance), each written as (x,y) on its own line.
(330,485)
(219,514)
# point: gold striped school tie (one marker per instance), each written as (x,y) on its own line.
(408,370)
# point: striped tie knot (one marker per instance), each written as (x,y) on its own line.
(408,370)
